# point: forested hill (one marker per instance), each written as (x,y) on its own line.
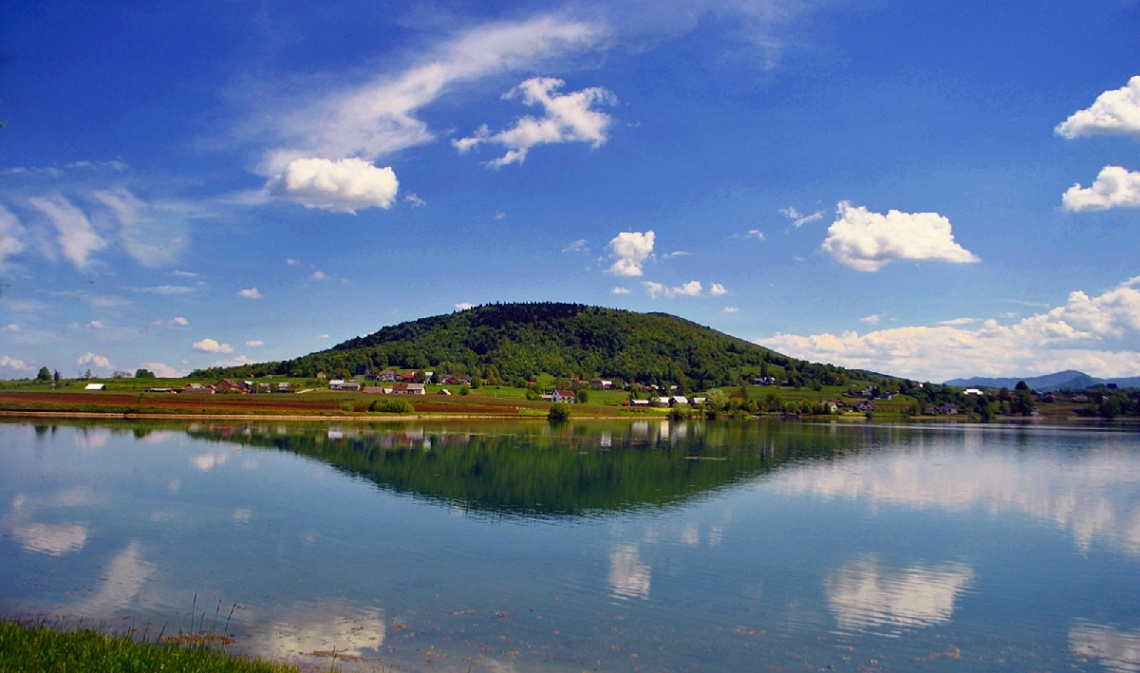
(513,342)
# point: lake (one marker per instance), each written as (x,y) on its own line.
(635,546)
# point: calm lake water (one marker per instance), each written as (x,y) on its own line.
(642,546)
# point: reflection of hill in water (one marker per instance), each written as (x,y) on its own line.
(537,471)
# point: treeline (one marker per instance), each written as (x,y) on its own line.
(512,343)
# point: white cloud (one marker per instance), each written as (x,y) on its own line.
(416,201)
(464,305)
(152,235)
(653,289)
(14,363)
(731,309)
(342,186)
(378,117)
(212,346)
(1115,112)
(251,293)
(1098,335)
(1115,187)
(693,288)
(717,290)
(291,262)
(631,248)
(581,245)
(799,219)
(180,321)
(323,336)
(318,275)
(619,290)
(755,233)
(872,319)
(568,118)
(11,233)
(867,241)
(90,358)
(164,371)
(254,343)
(77,238)
(690,289)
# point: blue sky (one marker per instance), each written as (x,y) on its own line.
(925,189)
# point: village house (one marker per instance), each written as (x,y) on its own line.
(230,386)
(409,389)
(560,396)
(340,384)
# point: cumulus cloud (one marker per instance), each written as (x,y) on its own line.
(179,321)
(77,238)
(631,248)
(1099,335)
(251,293)
(693,288)
(342,186)
(464,305)
(164,371)
(619,290)
(1115,112)
(1114,187)
(799,219)
(11,235)
(731,309)
(567,118)
(90,358)
(872,319)
(867,241)
(254,343)
(755,233)
(15,363)
(212,346)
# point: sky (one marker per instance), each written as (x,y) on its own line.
(930,190)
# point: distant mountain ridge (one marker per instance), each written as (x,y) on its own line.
(1069,379)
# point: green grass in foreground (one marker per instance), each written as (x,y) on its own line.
(40,648)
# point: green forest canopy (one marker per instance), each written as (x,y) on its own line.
(508,343)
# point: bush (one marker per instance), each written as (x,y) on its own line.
(392,406)
(559,411)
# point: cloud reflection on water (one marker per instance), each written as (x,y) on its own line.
(628,577)
(1118,651)
(1089,495)
(865,595)
(51,539)
(312,630)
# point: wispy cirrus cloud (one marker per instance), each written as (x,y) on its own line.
(76,237)
(325,151)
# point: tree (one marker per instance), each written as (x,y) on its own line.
(582,396)
(55,376)
(559,411)
(44,374)
(144,374)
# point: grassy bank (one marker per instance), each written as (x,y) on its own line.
(40,648)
